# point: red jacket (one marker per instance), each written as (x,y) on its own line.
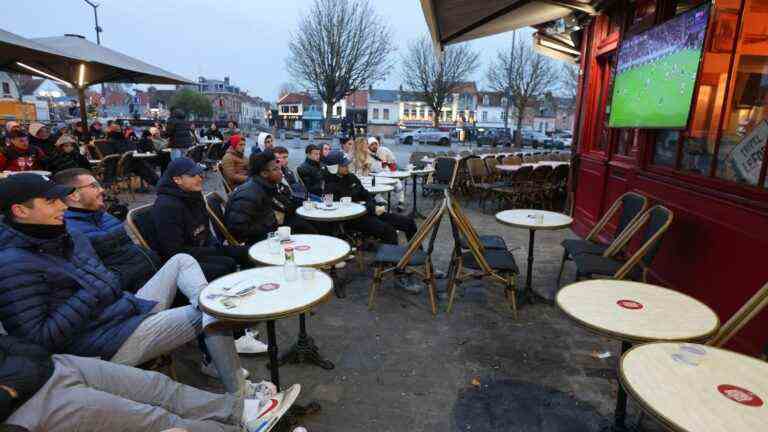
(15,159)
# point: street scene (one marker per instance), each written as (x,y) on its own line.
(347,215)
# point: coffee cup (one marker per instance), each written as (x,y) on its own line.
(345,201)
(284,232)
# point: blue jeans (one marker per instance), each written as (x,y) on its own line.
(176,153)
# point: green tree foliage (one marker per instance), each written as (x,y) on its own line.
(192,102)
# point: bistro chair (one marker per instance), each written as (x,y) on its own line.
(444,177)
(409,257)
(196,153)
(539,179)
(141,224)
(632,206)
(104,148)
(516,192)
(124,174)
(485,241)
(744,315)
(498,265)
(481,180)
(214,204)
(106,171)
(657,220)
(228,187)
(556,187)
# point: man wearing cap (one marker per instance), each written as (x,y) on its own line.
(19,155)
(260,205)
(385,157)
(311,171)
(55,292)
(378,223)
(183,226)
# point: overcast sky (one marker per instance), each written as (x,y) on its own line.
(246,40)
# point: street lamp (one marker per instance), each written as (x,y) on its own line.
(95,7)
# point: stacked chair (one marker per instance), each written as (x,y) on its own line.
(444,177)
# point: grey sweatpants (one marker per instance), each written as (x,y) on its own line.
(91,395)
(168,329)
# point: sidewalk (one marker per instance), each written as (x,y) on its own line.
(477,369)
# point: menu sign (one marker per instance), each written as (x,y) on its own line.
(748,154)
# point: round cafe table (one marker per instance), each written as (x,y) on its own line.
(533,220)
(138,155)
(399,175)
(379,180)
(378,189)
(508,168)
(423,173)
(634,312)
(273,298)
(689,387)
(338,213)
(310,250)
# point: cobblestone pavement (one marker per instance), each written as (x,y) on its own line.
(476,369)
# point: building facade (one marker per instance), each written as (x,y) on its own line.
(290,110)
(383,112)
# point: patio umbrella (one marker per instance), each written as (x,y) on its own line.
(79,63)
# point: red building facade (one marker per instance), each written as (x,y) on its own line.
(717,247)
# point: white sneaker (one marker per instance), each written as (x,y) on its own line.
(248,344)
(210,370)
(262,416)
(262,390)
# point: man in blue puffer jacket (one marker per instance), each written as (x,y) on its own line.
(133,264)
(55,292)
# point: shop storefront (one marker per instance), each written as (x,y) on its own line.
(712,173)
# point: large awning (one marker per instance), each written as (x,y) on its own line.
(454,21)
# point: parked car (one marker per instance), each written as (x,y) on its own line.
(566,138)
(494,137)
(535,139)
(426,135)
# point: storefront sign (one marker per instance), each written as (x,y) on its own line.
(748,155)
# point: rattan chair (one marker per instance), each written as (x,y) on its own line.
(124,173)
(656,220)
(141,223)
(480,180)
(214,204)
(497,265)
(410,257)
(517,190)
(228,188)
(744,315)
(444,177)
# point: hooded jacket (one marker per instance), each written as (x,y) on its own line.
(24,367)
(179,135)
(311,173)
(250,211)
(133,264)
(181,221)
(259,147)
(56,293)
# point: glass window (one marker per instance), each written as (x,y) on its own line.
(386,113)
(338,110)
(284,109)
(6,88)
(484,116)
(421,113)
(606,64)
(449,115)
(665,150)
(745,121)
(375,113)
(294,109)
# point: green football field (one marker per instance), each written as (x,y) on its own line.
(656,95)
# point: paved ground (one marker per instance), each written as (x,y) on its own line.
(477,369)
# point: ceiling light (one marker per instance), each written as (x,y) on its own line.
(47,75)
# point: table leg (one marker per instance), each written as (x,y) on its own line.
(274,364)
(527,294)
(415,211)
(621,398)
(305,350)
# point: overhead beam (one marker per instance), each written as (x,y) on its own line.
(485,20)
(430,15)
(574,5)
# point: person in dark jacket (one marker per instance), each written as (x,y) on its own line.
(214,133)
(97,132)
(378,223)
(133,264)
(290,180)
(40,136)
(116,139)
(66,156)
(55,291)
(311,171)
(183,226)
(179,135)
(61,393)
(260,205)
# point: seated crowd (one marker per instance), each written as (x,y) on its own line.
(82,305)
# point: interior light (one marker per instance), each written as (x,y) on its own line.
(47,75)
(81,75)
(558,47)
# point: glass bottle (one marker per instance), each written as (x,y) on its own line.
(289,267)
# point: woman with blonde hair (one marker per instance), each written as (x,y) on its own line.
(362,163)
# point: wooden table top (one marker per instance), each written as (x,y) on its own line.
(339,213)
(527,218)
(273,298)
(690,387)
(309,250)
(637,312)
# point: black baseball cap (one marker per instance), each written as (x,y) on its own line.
(335,159)
(19,188)
(183,166)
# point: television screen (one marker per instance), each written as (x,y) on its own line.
(656,73)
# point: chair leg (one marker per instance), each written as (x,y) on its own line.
(429,280)
(374,286)
(452,283)
(562,266)
(511,294)
(359,256)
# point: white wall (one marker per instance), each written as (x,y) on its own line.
(394,113)
(14,94)
(342,103)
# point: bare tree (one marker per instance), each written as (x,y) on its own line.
(339,47)
(523,75)
(434,80)
(285,88)
(569,80)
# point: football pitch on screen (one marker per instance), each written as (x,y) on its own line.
(657,94)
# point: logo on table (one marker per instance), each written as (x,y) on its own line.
(268,287)
(740,395)
(629,304)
